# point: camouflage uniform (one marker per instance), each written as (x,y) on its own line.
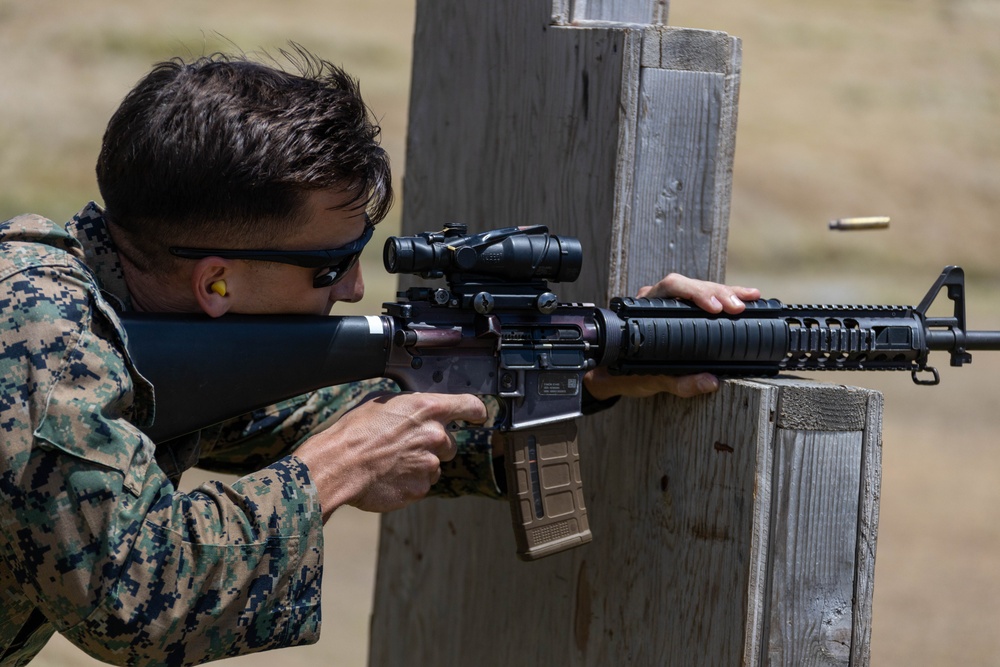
(95,540)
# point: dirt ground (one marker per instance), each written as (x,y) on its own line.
(860,107)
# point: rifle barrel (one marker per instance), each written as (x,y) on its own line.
(972,340)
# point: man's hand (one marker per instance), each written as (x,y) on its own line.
(387,452)
(713,297)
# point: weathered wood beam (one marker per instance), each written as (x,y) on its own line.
(623,136)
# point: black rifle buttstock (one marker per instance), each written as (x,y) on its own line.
(545,489)
(205,370)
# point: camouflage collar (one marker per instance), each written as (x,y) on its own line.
(91,230)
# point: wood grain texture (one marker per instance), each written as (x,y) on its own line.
(868,515)
(580,12)
(682,491)
(813,537)
(676,505)
(669,47)
(822,408)
(684,154)
(679,124)
(824,522)
(514,121)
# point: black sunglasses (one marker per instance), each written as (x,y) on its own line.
(333,263)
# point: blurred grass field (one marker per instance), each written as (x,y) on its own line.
(851,108)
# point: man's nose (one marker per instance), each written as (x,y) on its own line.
(351,289)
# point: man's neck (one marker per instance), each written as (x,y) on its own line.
(152,293)
(157,294)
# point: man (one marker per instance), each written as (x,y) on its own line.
(202,163)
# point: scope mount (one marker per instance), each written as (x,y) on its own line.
(486,297)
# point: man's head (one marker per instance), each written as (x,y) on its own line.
(224,152)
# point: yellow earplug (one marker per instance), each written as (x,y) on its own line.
(219,287)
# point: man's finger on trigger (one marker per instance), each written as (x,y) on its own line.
(475,410)
(468,408)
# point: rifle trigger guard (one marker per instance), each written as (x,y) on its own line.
(936,379)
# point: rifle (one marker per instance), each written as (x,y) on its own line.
(496,329)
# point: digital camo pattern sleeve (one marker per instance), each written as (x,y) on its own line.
(94,540)
(269,433)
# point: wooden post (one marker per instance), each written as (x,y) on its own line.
(735,529)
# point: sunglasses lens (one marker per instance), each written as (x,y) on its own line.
(334,274)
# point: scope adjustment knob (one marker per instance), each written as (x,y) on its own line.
(466,258)
(441,296)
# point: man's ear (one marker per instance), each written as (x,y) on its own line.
(212,282)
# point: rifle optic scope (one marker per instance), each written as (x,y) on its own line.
(513,253)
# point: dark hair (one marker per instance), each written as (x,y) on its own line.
(224,150)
